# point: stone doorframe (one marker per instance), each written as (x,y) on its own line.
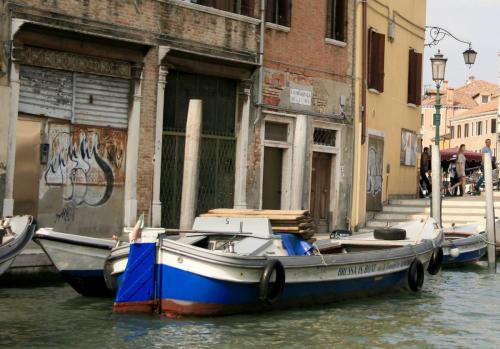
(335,171)
(286,180)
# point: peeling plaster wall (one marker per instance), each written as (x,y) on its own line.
(81,189)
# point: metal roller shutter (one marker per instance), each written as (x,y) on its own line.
(46,92)
(101,101)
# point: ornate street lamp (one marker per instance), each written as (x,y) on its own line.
(469,56)
(438,63)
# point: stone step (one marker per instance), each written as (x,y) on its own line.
(384,223)
(427,210)
(446,202)
(450,216)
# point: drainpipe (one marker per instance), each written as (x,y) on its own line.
(364,68)
(261,59)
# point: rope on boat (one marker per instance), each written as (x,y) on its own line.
(486,240)
(319,253)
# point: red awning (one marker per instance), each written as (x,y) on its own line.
(446,154)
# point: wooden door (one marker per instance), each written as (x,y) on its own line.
(271,187)
(320,191)
(374,173)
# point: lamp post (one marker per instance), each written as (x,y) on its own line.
(438,63)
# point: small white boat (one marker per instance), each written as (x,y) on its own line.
(464,244)
(79,259)
(15,233)
(238,265)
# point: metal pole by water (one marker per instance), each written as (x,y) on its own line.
(436,163)
(436,185)
(490,212)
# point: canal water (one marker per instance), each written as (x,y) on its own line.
(460,308)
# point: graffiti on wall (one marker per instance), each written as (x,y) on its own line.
(87,161)
(374,175)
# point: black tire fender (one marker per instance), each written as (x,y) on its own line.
(436,261)
(389,234)
(269,294)
(416,275)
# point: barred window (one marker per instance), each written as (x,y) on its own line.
(324,136)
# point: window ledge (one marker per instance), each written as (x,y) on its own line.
(335,42)
(411,105)
(278,27)
(375,91)
(211,10)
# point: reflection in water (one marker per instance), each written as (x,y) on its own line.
(458,308)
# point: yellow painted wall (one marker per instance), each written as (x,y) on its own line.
(388,112)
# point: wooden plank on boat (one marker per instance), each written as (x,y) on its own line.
(259,212)
(237,215)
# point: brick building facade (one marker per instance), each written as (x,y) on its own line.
(103,88)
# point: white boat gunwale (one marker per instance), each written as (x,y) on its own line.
(79,240)
(228,259)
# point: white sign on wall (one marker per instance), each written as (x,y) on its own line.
(302,97)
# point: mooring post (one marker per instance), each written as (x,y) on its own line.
(191,164)
(436,185)
(490,212)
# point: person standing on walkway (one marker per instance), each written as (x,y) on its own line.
(486,149)
(424,167)
(452,172)
(460,163)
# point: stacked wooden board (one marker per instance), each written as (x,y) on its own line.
(295,222)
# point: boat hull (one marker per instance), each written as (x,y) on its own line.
(469,249)
(6,265)
(192,281)
(201,296)
(80,260)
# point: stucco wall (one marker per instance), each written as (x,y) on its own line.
(388,113)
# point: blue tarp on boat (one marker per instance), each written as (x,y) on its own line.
(296,245)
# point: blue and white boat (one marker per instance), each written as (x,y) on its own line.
(237,265)
(464,244)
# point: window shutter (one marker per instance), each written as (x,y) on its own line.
(418,78)
(376,51)
(414,77)
(411,77)
(371,59)
(380,39)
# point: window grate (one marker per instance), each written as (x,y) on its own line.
(324,136)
